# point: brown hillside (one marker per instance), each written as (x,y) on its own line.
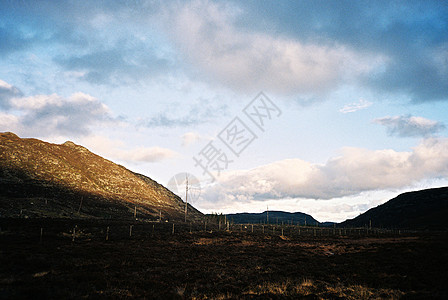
(40,179)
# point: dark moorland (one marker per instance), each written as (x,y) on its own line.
(149,261)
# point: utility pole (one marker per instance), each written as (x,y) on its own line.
(80,204)
(80,188)
(267,214)
(186,197)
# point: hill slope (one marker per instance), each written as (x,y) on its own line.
(275,217)
(425,209)
(39,179)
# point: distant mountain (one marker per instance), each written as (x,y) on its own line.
(425,209)
(39,179)
(328,224)
(275,217)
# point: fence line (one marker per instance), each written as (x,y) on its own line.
(110,232)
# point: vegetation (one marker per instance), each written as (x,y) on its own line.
(154,263)
(33,172)
(423,210)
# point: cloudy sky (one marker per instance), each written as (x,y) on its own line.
(353,109)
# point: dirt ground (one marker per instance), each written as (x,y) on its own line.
(150,262)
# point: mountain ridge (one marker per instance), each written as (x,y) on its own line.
(273,217)
(423,209)
(32,170)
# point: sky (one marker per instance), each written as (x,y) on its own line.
(323,107)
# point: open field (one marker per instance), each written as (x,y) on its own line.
(149,261)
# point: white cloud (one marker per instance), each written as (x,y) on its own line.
(409,126)
(143,154)
(116,150)
(355,106)
(191,137)
(355,171)
(35,102)
(205,33)
(336,209)
(196,112)
(50,115)
(9,122)
(4,85)
(7,92)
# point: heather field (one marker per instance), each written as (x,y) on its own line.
(102,259)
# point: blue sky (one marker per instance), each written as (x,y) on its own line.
(360,87)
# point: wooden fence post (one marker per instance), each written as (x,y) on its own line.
(73,234)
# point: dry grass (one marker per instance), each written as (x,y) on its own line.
(218,265)
(320,290)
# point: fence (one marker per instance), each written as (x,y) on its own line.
(79,230)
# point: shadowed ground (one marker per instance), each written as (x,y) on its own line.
(218,265)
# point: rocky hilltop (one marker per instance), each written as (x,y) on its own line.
(40,179)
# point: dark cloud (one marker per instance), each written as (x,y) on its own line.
(12,40)
(411,35)
(417,77)
(409,126)
(111,41)
(108,41)
(7,92)
(201,112)
(162,120)
(115,65)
